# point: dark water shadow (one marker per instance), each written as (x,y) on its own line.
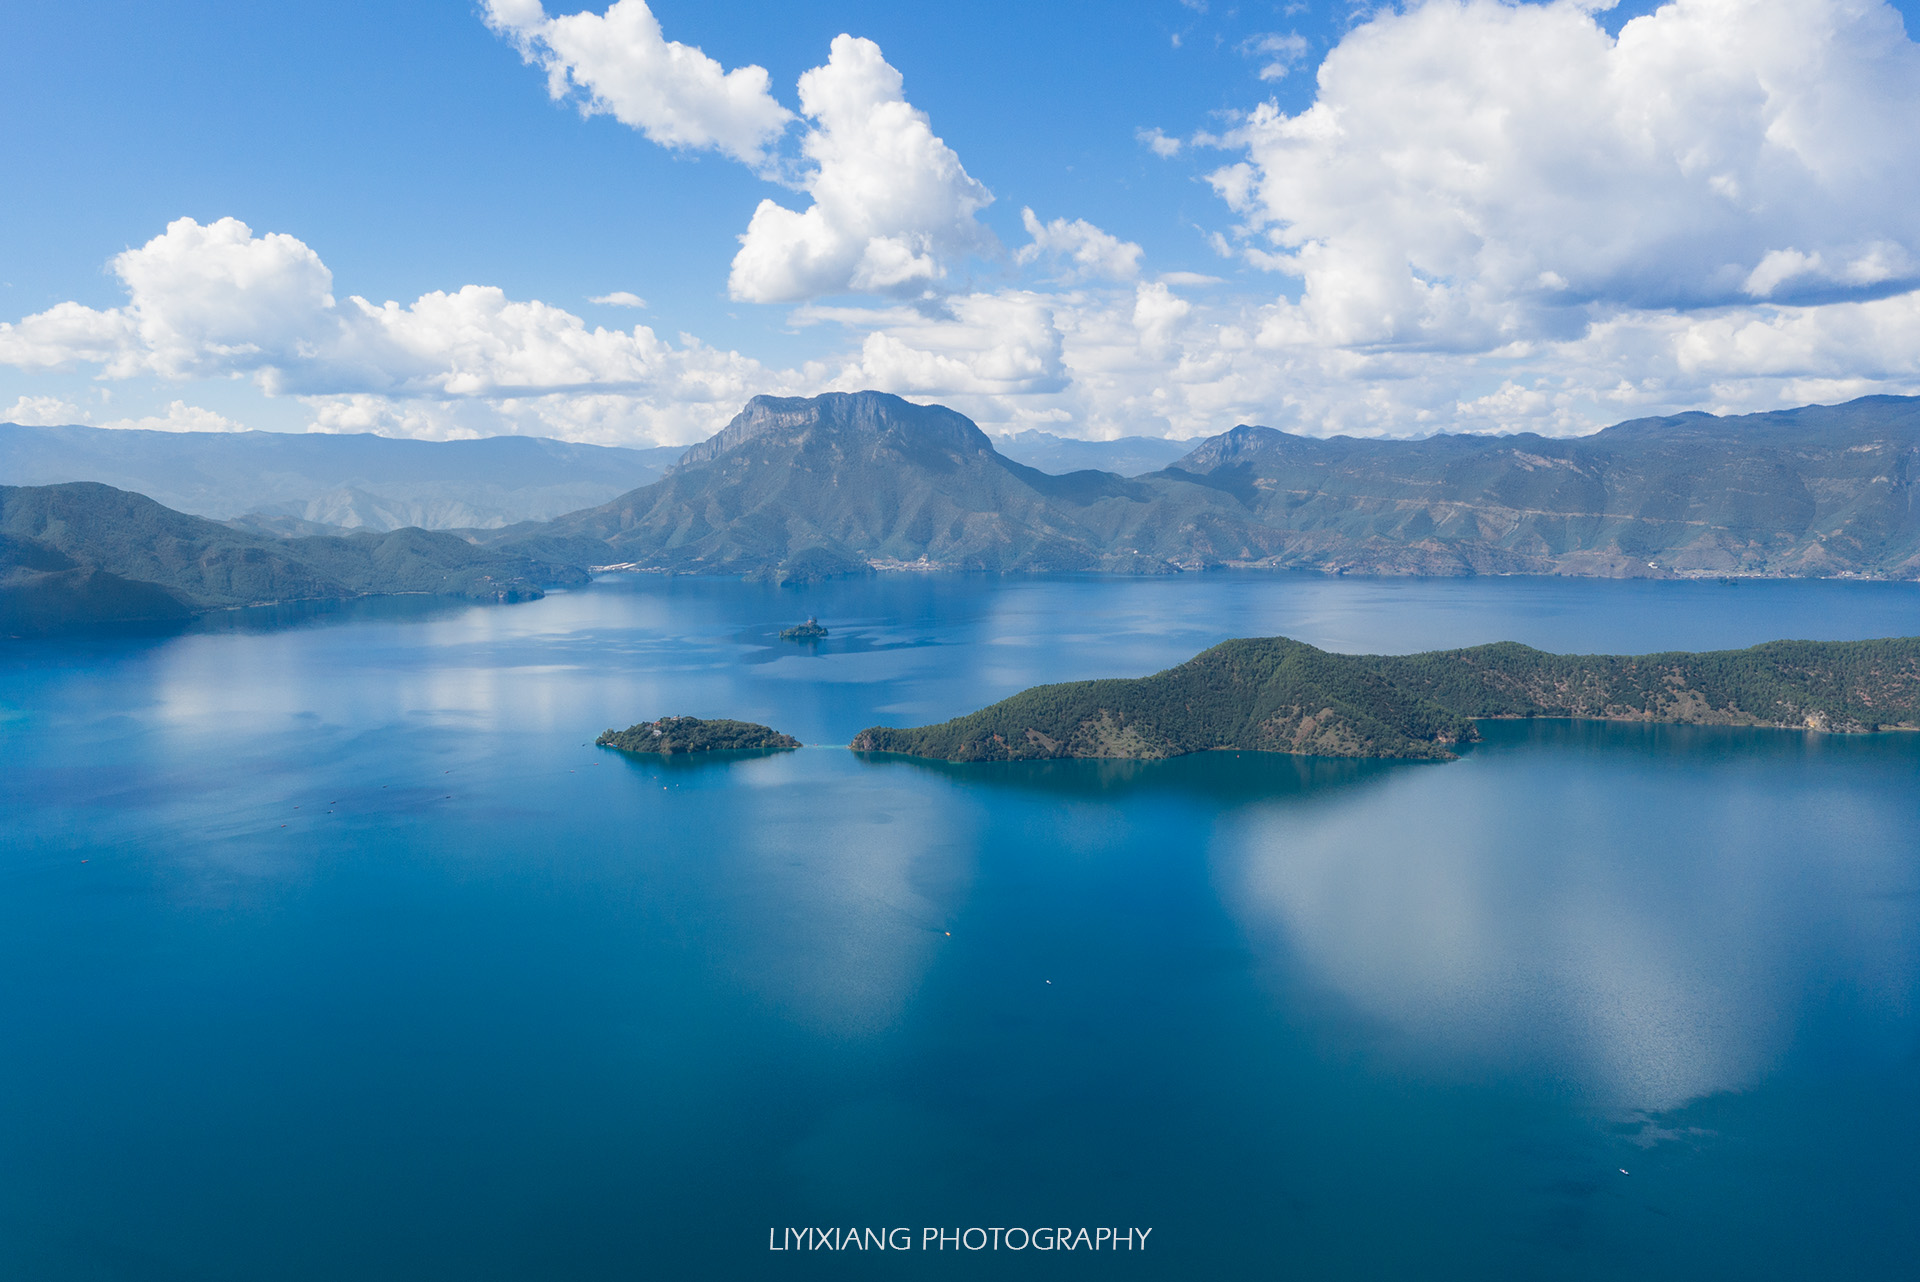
(116,630)
(1236,777)
(404,608)
(1229,778)
(1696,743)
(1218,778)
(246,619)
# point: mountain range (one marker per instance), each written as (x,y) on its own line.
(1816,491)
(318,483)
(800,488)
(1124,456)
(322,483)
(803,488)
(852,483)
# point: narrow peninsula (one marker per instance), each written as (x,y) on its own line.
(1273,694)
(670,736)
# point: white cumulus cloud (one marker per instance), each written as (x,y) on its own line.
(621,65)
(1476,172)
(42,411)
(65,334)
(977,346)
(217,301)
(892,207)
(51,411)
(180,417)
(1492,216)
(1085,250)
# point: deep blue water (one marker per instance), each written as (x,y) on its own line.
(331,949)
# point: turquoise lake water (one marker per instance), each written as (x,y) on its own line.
(332,950)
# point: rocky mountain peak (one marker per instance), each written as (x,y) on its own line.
(1230,447)
(863,417)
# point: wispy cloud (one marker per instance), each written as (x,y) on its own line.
(1277,54)
(1160,144)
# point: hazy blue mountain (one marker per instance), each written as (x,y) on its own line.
(1822,490)
(802,487)
(805,487)
(87,553)
(1127,456)
(798,488)
(349,481)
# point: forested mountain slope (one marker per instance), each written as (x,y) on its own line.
(802,487)
(1822,490)
(1273,694)
(846,483)
(84,553)
(835,484)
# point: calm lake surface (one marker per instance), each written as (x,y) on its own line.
(334,950)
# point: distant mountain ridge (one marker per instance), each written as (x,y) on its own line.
(804,487)
(318,483)
(1817,491)
(1124,456)
(799,488)
(86,553)
(347,481)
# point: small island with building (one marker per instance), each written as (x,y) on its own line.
(670,736)
(808,631)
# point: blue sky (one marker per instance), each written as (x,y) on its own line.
(1448,216)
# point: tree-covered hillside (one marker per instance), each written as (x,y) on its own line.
(798,488)
(1277,695)
(1268,695)
(85,553)
(1816,491)
(670,736)
(804,488)
(1816,685)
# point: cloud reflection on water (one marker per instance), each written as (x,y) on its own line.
(826,893)
(1618,927)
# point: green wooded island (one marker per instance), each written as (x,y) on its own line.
(670,736)
(1272,694)
(808,631)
